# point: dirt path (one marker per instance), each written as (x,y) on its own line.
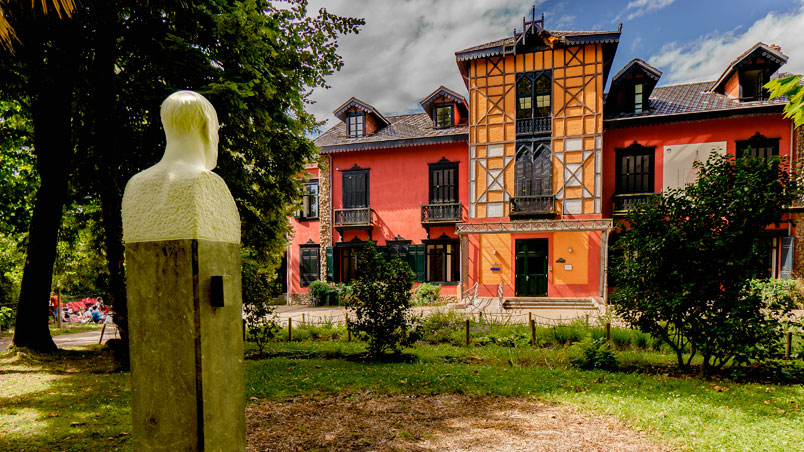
(366,422)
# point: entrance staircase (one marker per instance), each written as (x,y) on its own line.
(549,303)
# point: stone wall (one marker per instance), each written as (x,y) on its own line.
(296,299)
(324,209)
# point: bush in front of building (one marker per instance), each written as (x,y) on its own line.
(380,300)
(426,294)
(687,258)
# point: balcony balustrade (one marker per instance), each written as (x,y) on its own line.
(532,126)
(360,216)
(625,202)
(441,213)
(533,205)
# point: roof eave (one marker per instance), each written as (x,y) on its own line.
(396,143)
(636,121)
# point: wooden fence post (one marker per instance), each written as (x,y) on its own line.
(303,322)
(532,333)
(530,317)
(467,331)
(608,331)
(788,345)
(290,329)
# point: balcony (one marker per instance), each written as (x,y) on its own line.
(625,202)
(359,217)
(447,213)
(534,126)
(533,205)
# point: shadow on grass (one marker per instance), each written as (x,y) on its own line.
(70,400)
(351,356)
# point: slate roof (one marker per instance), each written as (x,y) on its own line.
(569,37)
(693,98)
(404,130)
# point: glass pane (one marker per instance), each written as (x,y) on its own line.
(543,84)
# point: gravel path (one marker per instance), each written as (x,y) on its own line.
(368,422)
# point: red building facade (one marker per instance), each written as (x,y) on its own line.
(516,191)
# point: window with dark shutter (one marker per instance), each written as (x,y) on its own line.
(443,183)
(634,169)
(442,260)
(355,189)
(309,264)
(758,146)
(533,171)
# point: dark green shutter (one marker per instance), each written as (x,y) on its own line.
(330,264)
(416,256)
(787,258)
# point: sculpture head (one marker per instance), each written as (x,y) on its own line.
(187,112)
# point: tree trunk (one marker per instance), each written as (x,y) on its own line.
(50,85)
(107,148)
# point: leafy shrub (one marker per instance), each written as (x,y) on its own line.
(593,354)
(380,300)
(324,294)
(258,294)
(7,317)
(426,294)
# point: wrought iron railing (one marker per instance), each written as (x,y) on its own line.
(541,204)
(360,216)
(441,213)
(625,202)
(534,125)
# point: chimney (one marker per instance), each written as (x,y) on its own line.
(776,47)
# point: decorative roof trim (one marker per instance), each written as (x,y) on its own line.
(354,102)
(498,47)
(734,112)
(633,65)
(442,91)
(387,144)
(767,51)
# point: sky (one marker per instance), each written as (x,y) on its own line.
(407,48)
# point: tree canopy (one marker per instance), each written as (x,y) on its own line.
(683,262)
(92,85)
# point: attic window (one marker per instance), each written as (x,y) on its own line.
(753,85)
(356,124)
(638,105)
(442,115)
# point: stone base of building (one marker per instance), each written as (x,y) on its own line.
(299,299)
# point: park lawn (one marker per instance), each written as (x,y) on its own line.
(682,412)
(75,402)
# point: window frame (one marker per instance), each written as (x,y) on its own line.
(639,107)
(440,166)
(305,215)
(347,251)
(304,282)
(449,120)
(534,177)
(355,172)
(351,123)
(756,142)
(534,95)
(450,274)
(634,150)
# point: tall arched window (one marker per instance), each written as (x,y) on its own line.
(543,91)
(524,98)
(534,169)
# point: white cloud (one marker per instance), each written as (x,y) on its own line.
(638,8)
(407,49)
(708,56)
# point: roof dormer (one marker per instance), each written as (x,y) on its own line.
(745,77)
(631,88)
(361,119)
(446,108)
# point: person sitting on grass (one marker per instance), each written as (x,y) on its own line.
(97,317)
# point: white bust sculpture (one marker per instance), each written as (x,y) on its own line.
(180,197)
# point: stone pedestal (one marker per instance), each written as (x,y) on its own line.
(186,355)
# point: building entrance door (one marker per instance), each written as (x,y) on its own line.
(531,268)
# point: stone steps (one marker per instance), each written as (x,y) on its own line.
(549,303)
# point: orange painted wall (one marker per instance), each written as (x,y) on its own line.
(582,281)
(302,232)
(398,185)
(732,88)
(729,130)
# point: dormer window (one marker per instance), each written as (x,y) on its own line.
(744,79)
(442,115)
(356,124)
(753,85)
(638,98)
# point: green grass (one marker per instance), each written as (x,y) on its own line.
(683,412)
(68,401)
(73,402)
